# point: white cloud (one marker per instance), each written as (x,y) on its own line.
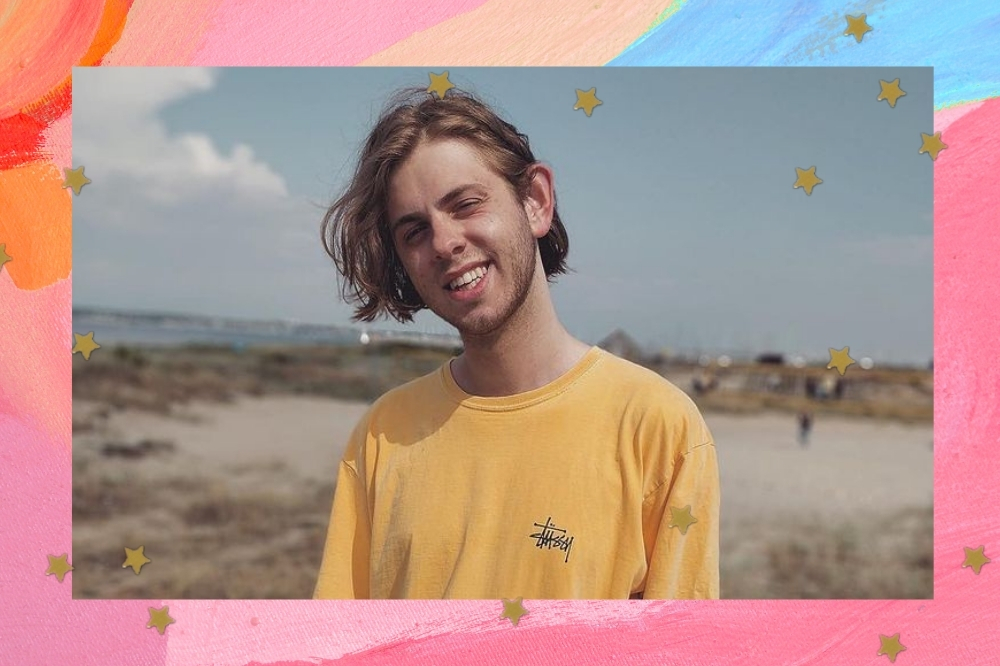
(117,131)
(132,92)
(173,222)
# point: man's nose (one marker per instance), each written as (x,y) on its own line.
(447,235)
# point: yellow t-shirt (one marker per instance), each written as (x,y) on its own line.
(575,490)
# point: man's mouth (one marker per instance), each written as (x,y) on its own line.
(469,280)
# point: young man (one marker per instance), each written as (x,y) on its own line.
(532,464)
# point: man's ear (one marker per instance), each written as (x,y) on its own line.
(539,204)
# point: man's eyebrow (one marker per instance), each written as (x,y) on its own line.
(443,202)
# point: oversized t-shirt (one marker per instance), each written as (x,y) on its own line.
(602,484)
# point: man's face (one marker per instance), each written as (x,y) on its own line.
(448,211)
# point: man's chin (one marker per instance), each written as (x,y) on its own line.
(475,330)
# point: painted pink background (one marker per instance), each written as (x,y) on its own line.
(41,624)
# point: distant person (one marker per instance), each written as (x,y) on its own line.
(805,427)
(532,464)
(703,382)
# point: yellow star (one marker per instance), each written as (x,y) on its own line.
(806,179)
(890,92)
(135,559)
(932,144)
(58,566)
(513,610)
(975,558)
(587,100)
(890,647)
(840,359)
(440,84)
(85,344)
(159,618)
(75,179)
(4,257)
(857,26)
(682,518)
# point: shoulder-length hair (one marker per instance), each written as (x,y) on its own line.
(355,229)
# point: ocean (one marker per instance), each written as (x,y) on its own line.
(149,330)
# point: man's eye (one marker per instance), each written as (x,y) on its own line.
(468,203)
(412,233)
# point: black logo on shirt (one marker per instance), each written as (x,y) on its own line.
(550,537)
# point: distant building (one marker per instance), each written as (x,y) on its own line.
(771,358)
(622,345)
(411,339)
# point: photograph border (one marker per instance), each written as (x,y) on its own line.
(41,623)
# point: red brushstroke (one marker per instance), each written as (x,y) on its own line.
(21,135)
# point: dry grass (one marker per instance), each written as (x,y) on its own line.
(209,542)
(107,495)
(890,558)
(753,403)
(205,541)
(158,379)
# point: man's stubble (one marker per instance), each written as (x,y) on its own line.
(519,263)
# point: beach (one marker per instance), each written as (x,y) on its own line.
(231,498)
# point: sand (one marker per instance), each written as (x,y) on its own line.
(849,466)
(855,472)
(305,434)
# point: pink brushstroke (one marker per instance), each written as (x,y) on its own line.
(726,632)
(945,117)
(967,337)
(161,34)
(314,32)
(39,621)
(35,330)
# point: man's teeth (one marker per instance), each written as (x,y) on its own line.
(474,275)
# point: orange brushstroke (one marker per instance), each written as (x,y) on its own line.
(108,32)
(43,40)
(163,34)
(46,40)
(36,225)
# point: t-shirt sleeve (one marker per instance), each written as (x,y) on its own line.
(344,572)
(683,554)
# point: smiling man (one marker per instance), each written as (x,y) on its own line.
(532,464)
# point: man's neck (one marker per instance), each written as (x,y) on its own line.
(518,360)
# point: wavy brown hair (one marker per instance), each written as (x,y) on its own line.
(355,229)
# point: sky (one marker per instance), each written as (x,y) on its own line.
(209,186)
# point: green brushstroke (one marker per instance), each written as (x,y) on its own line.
(664,15)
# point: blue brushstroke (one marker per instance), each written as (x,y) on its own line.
(960,39)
